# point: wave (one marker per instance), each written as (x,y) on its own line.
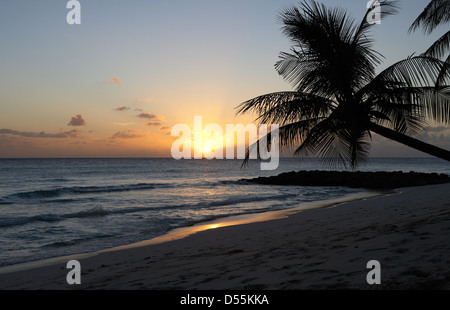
(49,218)
(96,211)
(93,212)
(75,241)
(18,221)
(4,202)
(85,190)
(240,199)
(99,211)
(57,192)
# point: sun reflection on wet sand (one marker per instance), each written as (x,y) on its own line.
(183,232)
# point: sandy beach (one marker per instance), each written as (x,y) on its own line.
(407,232)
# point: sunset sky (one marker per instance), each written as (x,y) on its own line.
(116,84)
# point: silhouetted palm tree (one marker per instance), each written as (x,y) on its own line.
(338,99)
(436,13)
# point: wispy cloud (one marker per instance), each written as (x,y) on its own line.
(126,134)
(144,100)
(28,134)
(439,135)
(151,116)
(164,128)
(439,129)
(77,120)
(153,124)
(123,124)
(115,81)
(122,108)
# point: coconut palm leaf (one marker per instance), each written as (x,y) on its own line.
(436,13)
(283,107)
(440,47)
(416,82)
(327,59)
(335,144)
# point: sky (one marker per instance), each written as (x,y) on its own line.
(115,85)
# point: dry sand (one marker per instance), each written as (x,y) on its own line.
(407,232)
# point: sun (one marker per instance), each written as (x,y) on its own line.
(207,146)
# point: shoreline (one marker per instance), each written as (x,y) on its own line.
(183,232)
(324,248)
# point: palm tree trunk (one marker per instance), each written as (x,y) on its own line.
(411,142)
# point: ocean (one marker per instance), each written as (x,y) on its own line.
(58,207)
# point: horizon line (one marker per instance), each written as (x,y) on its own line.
(169,157)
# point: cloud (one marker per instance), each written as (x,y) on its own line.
(153,124)
(435,135)
(67,134)
(115,81)
(123,124)
(77,120)
(122,108)
(164,128)
(151,116)
(127,134)
(439,129)
(144,100)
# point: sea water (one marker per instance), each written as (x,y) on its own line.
(57,207)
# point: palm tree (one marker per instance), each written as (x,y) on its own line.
(437,12)
(339,100)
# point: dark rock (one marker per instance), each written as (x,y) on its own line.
(371,180)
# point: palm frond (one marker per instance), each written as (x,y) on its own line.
(386,7)
(436,13)
(394,105)
(328,59)
(437,103)
(262,103)
(294,133)
(335,144)
(404,118)
(420,91)
(415,71)
(439,48)
(284,107)
(289,135)
(445,72)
